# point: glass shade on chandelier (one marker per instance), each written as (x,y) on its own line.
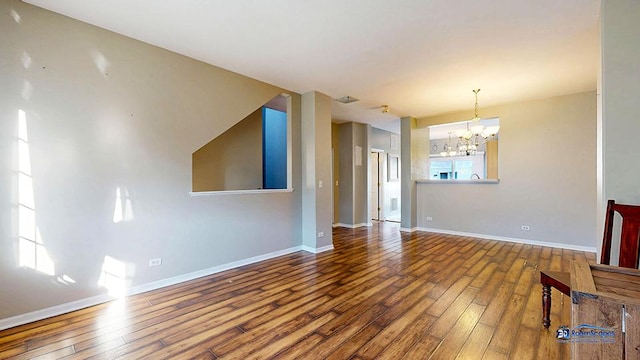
(470,140)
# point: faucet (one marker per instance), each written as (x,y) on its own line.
(476,175)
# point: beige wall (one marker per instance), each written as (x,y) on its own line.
(233,160)
(407,183)
(345,163)
(354,184)
(108,114)
(619,123)
(492,160)
(361,173)
(547,161)
(316,170)
(420,150)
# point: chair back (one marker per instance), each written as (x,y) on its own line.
(629,236)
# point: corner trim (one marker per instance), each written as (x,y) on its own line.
(239,192)
(103,298)
(479,181)
(510,239)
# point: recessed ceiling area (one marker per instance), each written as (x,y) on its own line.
(421,58)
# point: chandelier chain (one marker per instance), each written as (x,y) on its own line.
(475,117)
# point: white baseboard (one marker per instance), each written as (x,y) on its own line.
(354,226)
(210,271)
(99,299)
(53,311)
(510,239)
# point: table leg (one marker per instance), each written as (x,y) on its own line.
(546,305)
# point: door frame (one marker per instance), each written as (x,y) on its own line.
(381,160)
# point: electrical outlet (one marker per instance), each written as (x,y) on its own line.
(525,228)
(321,234)
(320,184)
(155,262)
(429,218)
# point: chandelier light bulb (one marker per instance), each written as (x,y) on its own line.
(492,130)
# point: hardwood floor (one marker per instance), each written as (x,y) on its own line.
(379,294)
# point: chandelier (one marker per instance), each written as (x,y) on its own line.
(469,140)
(448,149)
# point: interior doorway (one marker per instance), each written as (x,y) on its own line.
(376,185)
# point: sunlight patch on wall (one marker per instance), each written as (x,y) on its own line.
(27,90)
(102,63)
(122,210)
(26,60)
(113,277)
(16,17)
(31,249)
(66,280)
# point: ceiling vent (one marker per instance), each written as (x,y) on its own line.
(347,99)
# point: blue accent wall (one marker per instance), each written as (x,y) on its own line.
(274,149)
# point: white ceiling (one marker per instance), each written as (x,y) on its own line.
(421,57)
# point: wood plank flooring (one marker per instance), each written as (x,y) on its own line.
(379,294)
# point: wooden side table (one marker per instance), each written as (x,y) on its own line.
(605,302)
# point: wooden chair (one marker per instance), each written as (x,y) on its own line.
(629,253)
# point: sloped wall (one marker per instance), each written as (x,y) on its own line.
(233,160)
